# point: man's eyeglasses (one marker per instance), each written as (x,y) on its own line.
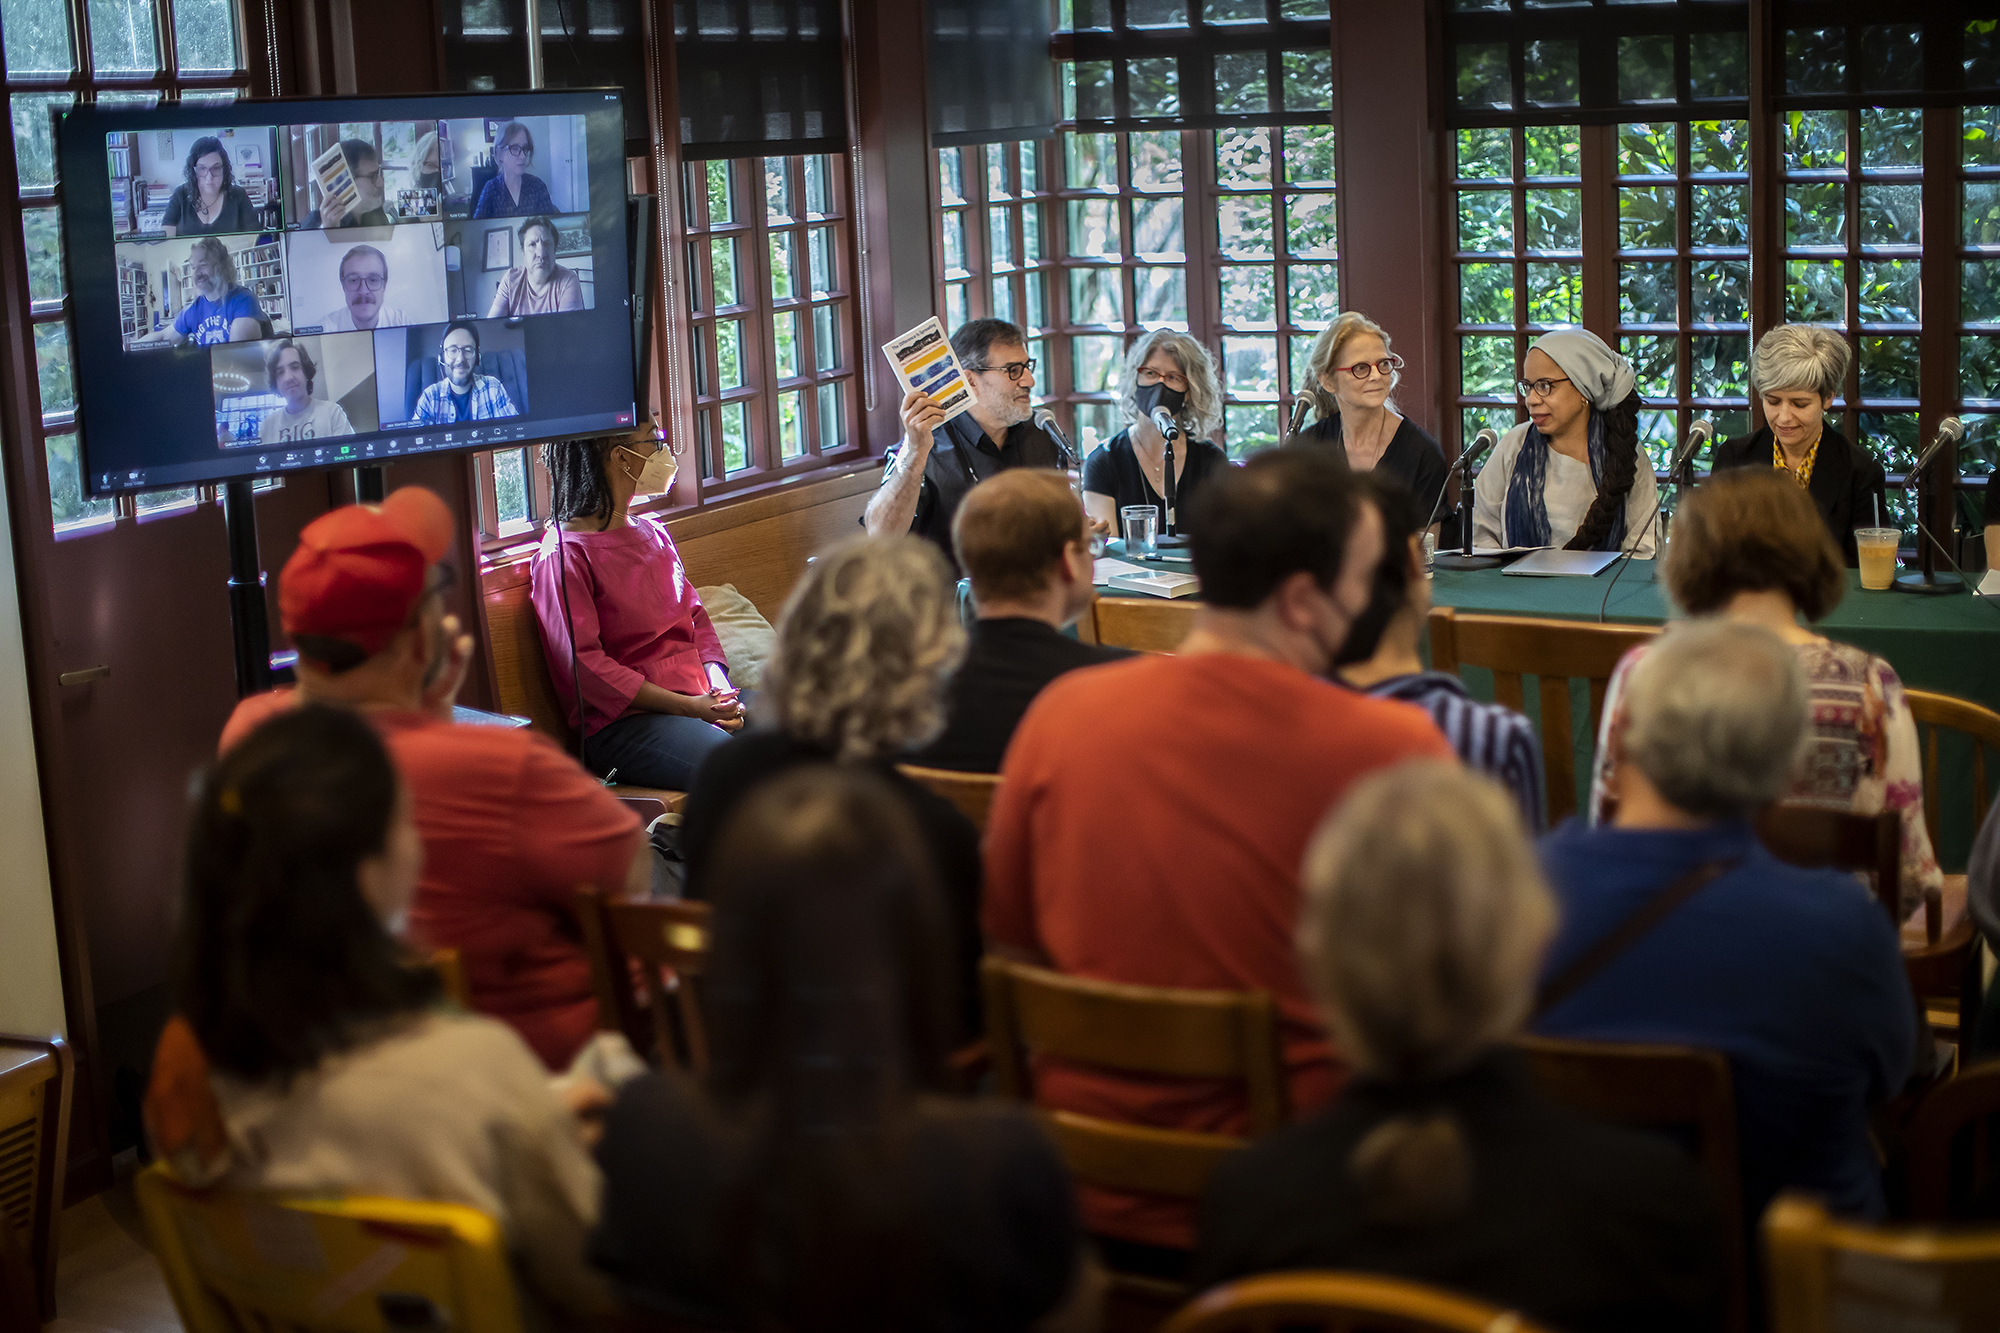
(1386,367)
(1537,388)
(1172,380)
(363,282)
(374,176)
(1013,370)
(459,354)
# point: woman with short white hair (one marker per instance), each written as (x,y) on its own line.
(1426,918)
(1164,370)
(1795,373)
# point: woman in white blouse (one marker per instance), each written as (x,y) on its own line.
(1573,474)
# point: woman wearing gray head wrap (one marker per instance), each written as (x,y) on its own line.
(1572,475)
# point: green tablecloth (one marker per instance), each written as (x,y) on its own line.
(1947,644)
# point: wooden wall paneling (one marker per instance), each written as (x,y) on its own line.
(761,545)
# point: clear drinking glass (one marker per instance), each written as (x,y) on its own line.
(1141,525)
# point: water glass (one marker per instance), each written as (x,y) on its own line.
(1141,525)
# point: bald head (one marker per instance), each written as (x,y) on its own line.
(1011,532)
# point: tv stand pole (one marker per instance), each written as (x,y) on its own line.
(369,486)
(248,621)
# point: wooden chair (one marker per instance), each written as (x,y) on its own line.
(1935,712)
(1945,978)
(1670,1088)
(1824,1275)
(1806,835)
(1953,1135)
(1554,652)
(972,793)
(521,674)
(1340,1303)
(36,1081)
(235,1261)
(1149,624)
(666,944)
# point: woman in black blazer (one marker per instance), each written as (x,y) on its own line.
(1795,372)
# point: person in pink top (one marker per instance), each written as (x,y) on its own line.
(619,613)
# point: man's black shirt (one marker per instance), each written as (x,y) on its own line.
(961,457)
(1007,663)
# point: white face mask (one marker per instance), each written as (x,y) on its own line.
(656,476)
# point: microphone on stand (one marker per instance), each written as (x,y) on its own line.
(1700,433)
(1163,422)
(1486,439)
(1300,406)
(1463,558)
(1046,420)
(1949,431)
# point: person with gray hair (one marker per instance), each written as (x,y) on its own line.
(1795,976)
(1425,920)
(1796,372)
(865,647)
(1170,371)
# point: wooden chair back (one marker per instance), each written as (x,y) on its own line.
(237,1261)
(972,793)
(1340,1303)
(662,947)
(1809,836)
(1945,976)
(1134,1030)
(1661,1088)
(1148,624)
(1954,1143)
(450,968)
(1823,1275)
(1554,652)
(1941,712)
(37,1077)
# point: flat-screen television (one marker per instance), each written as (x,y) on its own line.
(260,287)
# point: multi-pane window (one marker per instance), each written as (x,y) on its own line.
(60,52)
(996,205)
(1684,276)
(1979,289)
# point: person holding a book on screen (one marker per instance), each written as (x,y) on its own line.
(364,163)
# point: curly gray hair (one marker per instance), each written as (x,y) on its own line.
(865,645)
(1801,356)
(1201,415)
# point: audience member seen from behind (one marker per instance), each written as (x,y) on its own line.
(465,393)
(511,826)
(1572,475)
(1166,370)
(1020,537)
(927,474)
(1749,547)
(364,163)
(611,594)
(1796,372)
(516,192)
(1353,373)
(223,309)
(818,1178)
(1425,923)
(311,1054)
(1151,813)
(1380,657)
(1794,975)
(857,675)
(538,285)
(208,201)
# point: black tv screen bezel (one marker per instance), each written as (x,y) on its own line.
(95,336)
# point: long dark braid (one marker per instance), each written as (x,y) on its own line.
(578,487)
(1621,470)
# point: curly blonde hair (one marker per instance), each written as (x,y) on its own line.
(1202,413)
(865,645)
(1350,325)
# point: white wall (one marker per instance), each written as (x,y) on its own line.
(30,979)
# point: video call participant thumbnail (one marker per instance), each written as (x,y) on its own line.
(515,191)
(465,393)
(365,278)
(289,370)
(223,310)
(209,201)
(286,390)
(537,285)
(336,207)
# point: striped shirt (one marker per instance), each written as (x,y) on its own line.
(487,398)
(1497,741)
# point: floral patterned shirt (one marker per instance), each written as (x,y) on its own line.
(1861,756)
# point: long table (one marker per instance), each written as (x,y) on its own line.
(1948,644)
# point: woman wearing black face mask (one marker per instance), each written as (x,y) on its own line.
(1164,370)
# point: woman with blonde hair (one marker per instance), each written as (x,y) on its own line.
(1796,371)
(1164,370)
(1353,375)
(1425,922)
(427,163)
(865,648)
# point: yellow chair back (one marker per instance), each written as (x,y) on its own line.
(236,1260)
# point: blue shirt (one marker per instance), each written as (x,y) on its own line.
(495,202)
(207,322)
(1796,976)
(1496,741)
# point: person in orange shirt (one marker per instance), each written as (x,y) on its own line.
(1152,814)
(512,827)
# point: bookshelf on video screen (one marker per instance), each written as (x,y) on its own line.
(262,287)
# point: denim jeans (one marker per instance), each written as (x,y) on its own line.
(654,749)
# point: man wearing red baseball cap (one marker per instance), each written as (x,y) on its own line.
(511,825)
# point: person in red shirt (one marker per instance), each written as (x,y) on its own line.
(512,827)
(1152,814)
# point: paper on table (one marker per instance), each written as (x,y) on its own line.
(1988,586)
(1104,567)
(924,361)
